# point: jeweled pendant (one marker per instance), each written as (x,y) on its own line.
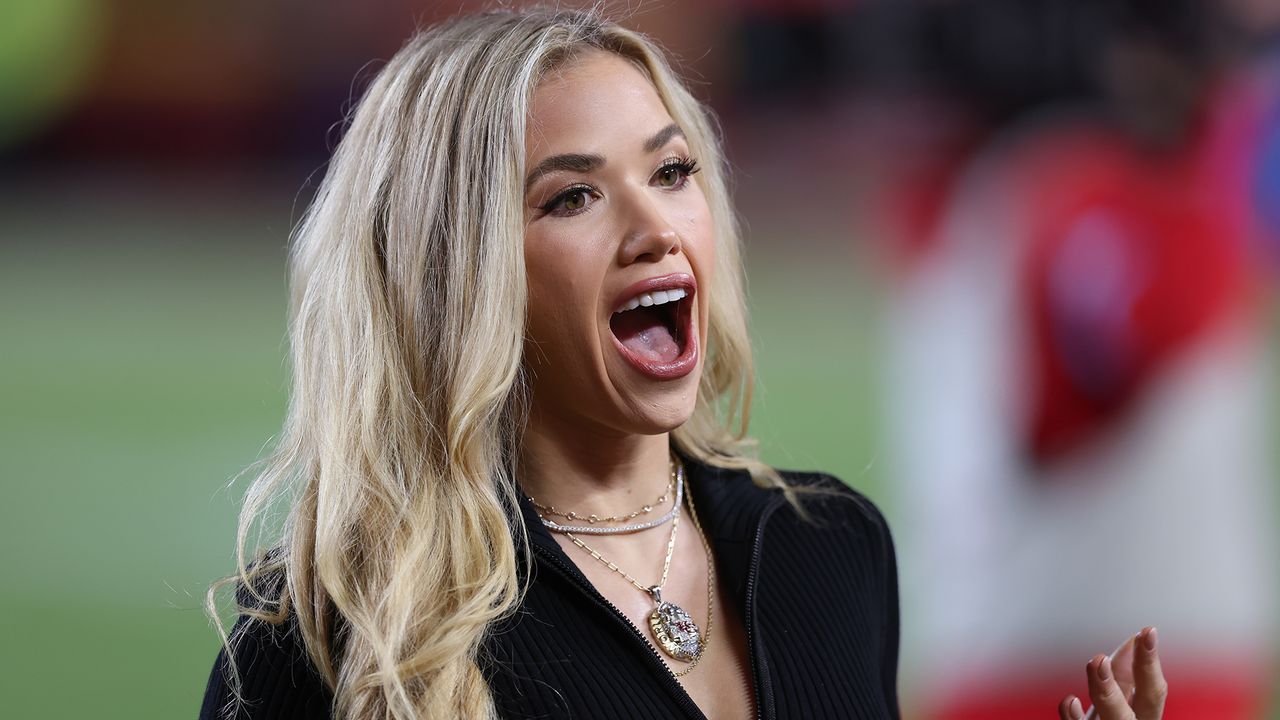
(675,630)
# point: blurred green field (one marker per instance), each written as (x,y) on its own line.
(143,366)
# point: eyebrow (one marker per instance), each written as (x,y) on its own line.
(662,137)
(574,162)
(578,162)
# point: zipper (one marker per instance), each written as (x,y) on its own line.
(673,684)
(758,673)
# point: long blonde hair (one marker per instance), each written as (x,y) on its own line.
(406,322)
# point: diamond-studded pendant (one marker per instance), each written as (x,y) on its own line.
(675,630)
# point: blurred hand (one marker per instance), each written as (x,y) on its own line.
(1129,687)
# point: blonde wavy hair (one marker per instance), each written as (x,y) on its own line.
(407,318)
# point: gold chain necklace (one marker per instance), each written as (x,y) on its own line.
(672,626)
(662,519)
(644,510)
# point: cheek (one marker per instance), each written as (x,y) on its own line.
(547,262)
(700,239)
(700,248)
(540,278)
(561,300)
(537,269)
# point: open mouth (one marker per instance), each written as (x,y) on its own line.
(653,326)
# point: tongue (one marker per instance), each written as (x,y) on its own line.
(645,334)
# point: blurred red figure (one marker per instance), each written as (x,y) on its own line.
(1128,263)
(1080,429)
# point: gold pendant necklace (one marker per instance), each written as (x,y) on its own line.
(672,626)
(675,630)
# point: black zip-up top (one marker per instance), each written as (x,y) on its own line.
(819,599)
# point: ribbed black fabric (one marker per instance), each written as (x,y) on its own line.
(819,599)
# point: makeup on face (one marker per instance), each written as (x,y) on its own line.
(619,245)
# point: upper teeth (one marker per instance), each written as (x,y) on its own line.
(657,297)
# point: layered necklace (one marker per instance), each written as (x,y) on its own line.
(672,626)
(594,529)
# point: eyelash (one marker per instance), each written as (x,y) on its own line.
(685,165)
(559,198)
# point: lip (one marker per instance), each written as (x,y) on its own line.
(688,359)
(683,281)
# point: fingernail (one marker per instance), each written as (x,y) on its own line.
(1104,669)
(1077,710)
(1150,640)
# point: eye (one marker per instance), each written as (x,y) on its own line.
(575,200)
(674,172)
(570,201)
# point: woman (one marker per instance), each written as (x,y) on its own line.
(514,456)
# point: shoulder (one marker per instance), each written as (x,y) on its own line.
(829,497)
(266,675)
(828,511)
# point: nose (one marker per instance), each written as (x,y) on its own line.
(648,237)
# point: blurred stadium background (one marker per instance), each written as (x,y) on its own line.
(154,156)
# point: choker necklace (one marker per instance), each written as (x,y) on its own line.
(623,529)
(672,626)
(545,510)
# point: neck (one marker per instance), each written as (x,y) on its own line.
(590,472)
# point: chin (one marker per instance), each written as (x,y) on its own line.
(651,412)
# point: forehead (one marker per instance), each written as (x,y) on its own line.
(590,102)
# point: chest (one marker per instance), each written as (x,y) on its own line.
(789,640)
(720,682)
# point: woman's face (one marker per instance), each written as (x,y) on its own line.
(619,250)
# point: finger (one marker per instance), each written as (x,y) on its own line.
(1149,698)
(1123,664)
(1108,698)
(1070,708)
